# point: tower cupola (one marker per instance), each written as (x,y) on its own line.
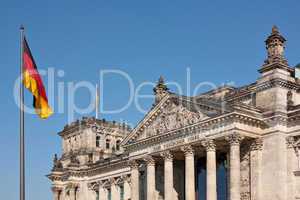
(275,45)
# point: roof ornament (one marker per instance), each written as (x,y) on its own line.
(57,165)
(275,45)
(160,90)
(275,30)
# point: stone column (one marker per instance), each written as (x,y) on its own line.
(72,193)
(63,194)
(168,165)
(235,173)
(115,193)
(150,178)
(255,162)
(189,172)
(127,190)
(102,191)
(211,169)
(134,180)
(56,193)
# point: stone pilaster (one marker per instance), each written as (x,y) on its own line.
(235,173)
(189,172)
(168,169)
(150,177)
(256,168)
(211,169)
(134,180)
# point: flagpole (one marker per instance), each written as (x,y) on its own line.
(97,101)
(22,135)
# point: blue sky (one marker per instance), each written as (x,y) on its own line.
(220,41)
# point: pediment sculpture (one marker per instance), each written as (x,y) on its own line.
(172,117)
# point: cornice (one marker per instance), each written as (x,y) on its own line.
(277,82)
(246,91)
(275,65)
(97,168)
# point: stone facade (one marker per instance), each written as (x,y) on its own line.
(231,143)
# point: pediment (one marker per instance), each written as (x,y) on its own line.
(170,114)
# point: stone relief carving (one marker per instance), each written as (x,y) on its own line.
(289,97)
(294,143)
(172,117)
(73,159)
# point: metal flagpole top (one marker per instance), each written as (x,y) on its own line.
(22,124)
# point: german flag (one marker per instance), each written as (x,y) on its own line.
(33,82)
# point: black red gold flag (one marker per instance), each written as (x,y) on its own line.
(33,82)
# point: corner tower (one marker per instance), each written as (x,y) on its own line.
(277,77)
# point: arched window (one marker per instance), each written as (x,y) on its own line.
(107,143)
(98,138)
(118,145)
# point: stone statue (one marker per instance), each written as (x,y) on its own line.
(57,165)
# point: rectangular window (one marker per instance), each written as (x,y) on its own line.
(109,194)
(121,192)
(97,195)
(107,144)
(98,141)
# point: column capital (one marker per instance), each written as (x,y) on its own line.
(126,178)
(256,144)
(188,150)
(234,139)
(72,186)
(149,160)
(167,155)
(290,142)
(209,144)
(112,181)
(133,164)
(56,189)
(94,186)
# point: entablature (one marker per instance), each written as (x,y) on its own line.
(210,127)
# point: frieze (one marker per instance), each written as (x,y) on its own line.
(175,143)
